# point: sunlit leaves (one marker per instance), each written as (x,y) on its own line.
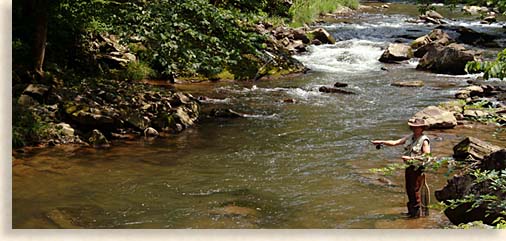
(490,69)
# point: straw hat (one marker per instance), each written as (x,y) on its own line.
(417,122)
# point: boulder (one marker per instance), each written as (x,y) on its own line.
(396,52)
(466,185)
(471,37)
(151,132)
(300,34)
(494,161)
(428,19)
(450,59)
(91,119)
(326,89)
(182,117)
(474,10)
(27,100)
(470,91)
(323,36)
(436,37)
(297,46)
(415,83)
(37,91)
(66,129)
(437,118)
(339,84)
(316,42)
(473,150)
(475,114)
(97,139)
(489,19)
(433,14)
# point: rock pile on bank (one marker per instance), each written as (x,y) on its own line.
(96,112)
(482,103)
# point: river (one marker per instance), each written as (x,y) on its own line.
(287,165)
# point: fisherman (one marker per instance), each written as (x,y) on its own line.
(416,145)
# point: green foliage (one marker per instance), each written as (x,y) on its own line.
(494,202)
(427,161)
(304,11)
(491,69)
(27,127)
(424,6)
(190,37)
(138,71)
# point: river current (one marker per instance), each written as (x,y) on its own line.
(286,165)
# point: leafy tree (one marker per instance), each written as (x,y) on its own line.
(491,69)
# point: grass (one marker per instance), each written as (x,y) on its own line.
(138,71)
(304,11)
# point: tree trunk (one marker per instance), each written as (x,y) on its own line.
(40,34)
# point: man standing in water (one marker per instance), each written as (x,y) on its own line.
(416,145)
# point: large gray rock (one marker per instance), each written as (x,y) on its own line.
(450,59)
(437,118)
(396,52)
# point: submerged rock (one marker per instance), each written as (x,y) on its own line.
(233,210)
(225,113)
(415,83)
(61,219)
(339,84)
(326,89)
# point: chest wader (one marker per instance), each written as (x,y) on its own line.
(416,185)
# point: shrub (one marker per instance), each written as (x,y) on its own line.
(138,71)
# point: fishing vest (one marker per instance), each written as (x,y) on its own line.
(414,147)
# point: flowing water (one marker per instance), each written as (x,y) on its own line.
(287,165)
